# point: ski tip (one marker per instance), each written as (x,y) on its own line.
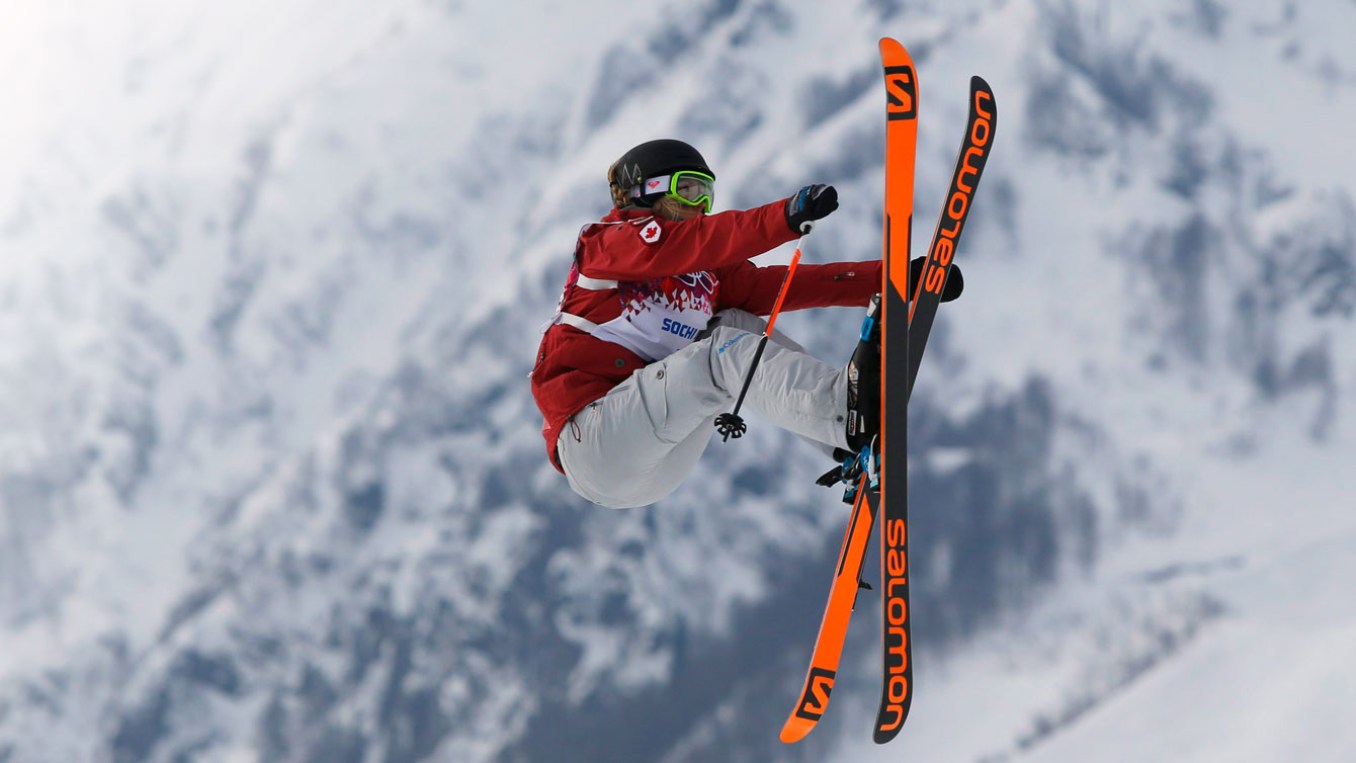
(889,723)
(982,102)
(795,730)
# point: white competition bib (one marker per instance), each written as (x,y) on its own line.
(661,316)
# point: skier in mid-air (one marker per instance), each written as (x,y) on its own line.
(659,323)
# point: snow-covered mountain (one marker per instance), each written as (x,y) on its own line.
(271,483)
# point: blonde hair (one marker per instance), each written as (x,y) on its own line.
(619,194)
(670,208)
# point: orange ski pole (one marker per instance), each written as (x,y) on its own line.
(730,424)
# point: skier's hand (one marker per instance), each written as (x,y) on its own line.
(955,282)
(812,202)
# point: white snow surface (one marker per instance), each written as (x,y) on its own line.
(237,240)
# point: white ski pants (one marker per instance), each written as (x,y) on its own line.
(636,444)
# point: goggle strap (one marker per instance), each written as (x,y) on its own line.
(660,184)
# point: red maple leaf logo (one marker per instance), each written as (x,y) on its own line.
(650,233)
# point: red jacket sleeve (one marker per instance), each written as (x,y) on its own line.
(637,250)
(837,284)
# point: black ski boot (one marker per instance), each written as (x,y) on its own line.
(863,405)
(863,374)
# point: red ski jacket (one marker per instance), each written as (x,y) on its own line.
(642,287)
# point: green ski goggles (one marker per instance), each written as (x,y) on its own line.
(695,189)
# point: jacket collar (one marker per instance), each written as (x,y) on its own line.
(627,213)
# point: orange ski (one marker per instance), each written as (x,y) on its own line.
(901,108)
(814,699)
(890,498)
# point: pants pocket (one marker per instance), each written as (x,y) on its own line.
(653,384)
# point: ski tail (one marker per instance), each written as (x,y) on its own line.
(814,697)
(970,163)
(889,497)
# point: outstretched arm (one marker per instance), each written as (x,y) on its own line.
(837,284)
(636,250)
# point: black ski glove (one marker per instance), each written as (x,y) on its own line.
(812,202)
(955,282)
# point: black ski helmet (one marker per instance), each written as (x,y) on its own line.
(651,159)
